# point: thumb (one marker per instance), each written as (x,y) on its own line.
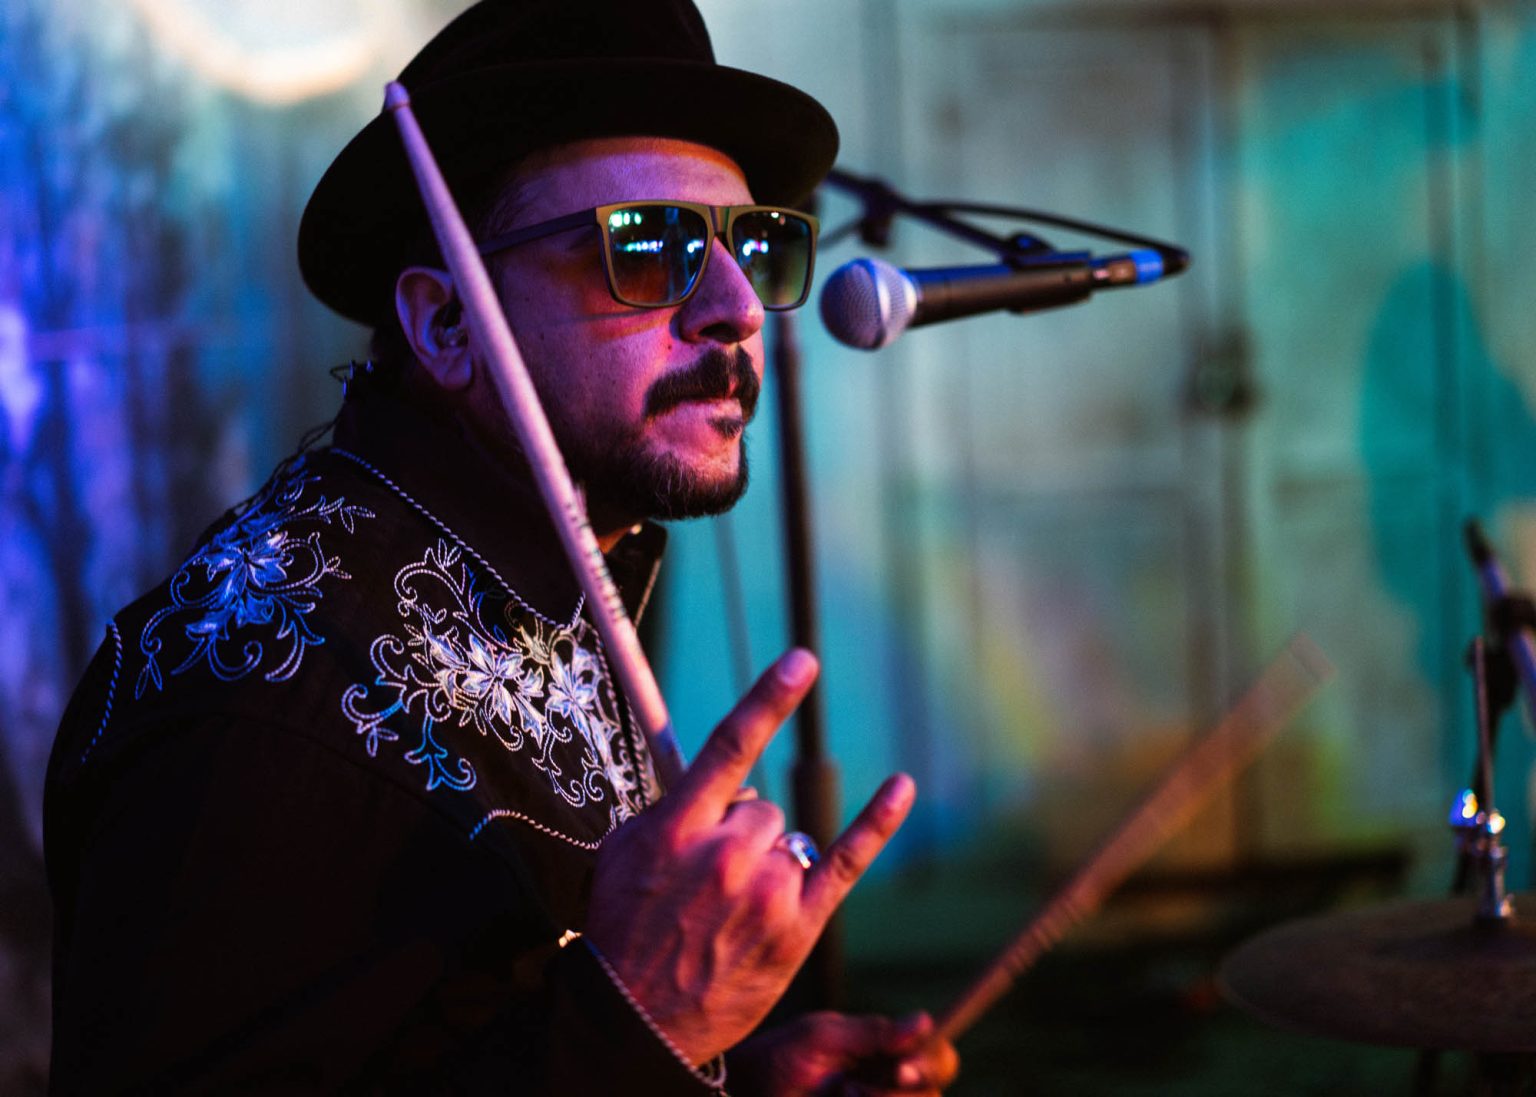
(909,1034)
(878,1048)
(856,1037)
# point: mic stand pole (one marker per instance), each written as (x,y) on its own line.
(814,776)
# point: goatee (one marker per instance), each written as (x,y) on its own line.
(622,476)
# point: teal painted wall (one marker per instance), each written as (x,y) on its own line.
(1094,555)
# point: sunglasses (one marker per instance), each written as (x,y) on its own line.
(654,253)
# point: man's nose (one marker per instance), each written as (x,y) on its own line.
(725,308)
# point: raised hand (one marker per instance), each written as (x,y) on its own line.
(694,904)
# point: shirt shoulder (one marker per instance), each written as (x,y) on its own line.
(336,607)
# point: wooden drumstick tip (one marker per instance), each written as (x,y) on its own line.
(1286,684)
(1311,658)
(395,96)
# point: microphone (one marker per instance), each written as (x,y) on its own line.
(867,303)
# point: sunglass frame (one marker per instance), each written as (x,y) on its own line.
(720,220)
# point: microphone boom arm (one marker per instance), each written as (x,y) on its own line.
(882,202)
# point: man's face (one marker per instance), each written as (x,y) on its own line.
(648,405)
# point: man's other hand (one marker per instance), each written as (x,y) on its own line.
(697,908)
(825,1054)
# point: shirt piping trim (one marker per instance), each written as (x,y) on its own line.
(508,813)
(466,546)
(117,667)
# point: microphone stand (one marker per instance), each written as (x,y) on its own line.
(814,775)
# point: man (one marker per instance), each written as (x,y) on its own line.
(352,803)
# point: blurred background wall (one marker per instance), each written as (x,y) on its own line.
(1051,548)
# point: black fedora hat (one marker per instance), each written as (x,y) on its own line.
(508,77)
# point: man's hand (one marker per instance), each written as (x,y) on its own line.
(835,1055)
(697,909)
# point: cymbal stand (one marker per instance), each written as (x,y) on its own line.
(1476,822)
(1481,857)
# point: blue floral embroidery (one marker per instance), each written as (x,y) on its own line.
(254,584)
(471,657)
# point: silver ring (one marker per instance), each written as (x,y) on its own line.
(799,845)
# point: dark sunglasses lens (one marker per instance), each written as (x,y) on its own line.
(774,248)
(655,252)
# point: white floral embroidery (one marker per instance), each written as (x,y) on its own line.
(255,582)
(472,657)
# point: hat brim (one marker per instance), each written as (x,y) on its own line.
(358,226)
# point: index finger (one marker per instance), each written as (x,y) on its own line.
(714,779)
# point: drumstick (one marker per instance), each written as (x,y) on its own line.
(521,403)
(1286,685)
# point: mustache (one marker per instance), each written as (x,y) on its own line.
(710,377)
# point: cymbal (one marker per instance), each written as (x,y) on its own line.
(1410,974)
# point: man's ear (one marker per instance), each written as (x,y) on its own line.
(433,321)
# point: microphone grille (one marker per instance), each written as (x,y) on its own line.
(867,303)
